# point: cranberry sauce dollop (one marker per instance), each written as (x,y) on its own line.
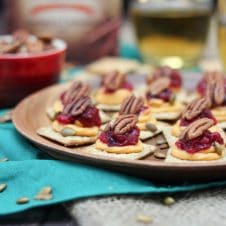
(164,95)
(125,85)
(203,142)
(201,87)
(89,118)
(174,75)
(204,114)
(112,139)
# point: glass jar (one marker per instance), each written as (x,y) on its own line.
(171,32)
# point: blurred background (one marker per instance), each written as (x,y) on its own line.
(183,34)
(165,32)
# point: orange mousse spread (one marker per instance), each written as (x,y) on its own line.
(114,89)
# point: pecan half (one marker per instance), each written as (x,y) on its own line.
(194,108)
(113,80)
(215,88)
(21,36)
(196,128)
(77,106)
(10,47)
(131,105)
(158,85)
(35,46)
(77,90)
(123,124)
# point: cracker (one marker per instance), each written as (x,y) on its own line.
(107,64)
(104,117)
(69,141)
(148,149)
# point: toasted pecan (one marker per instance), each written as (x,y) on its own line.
(131,105)
(194,108)
(113,80)
(215,94)
(196,128)
(21,36)
(123,124)
(78,106)
(158,85)
(77,90)
(10,47)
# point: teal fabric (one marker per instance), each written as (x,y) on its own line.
(29,169)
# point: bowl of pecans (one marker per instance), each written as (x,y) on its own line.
(28,63)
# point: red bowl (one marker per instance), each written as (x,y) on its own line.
(23,73)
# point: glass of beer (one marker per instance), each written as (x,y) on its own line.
(171,32)
(222,30)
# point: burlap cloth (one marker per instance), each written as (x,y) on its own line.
(203,208)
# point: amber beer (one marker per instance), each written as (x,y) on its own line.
(175,37)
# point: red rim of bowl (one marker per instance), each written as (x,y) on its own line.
(59,44)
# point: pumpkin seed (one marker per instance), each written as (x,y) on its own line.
(218,148)
(51,114)
(67,131)
(161,141)
(44,194)
(151,127)
(3,187)
(4,159)
(159,155)
(172,99)
(46,190)
(43,197)
(22,200)
(164,146)
(144,219)
(169,201)
(6,117)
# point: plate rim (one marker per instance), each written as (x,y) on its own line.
(193,166)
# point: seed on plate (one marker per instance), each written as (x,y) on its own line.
(164,146)
(67,131)
(161,141)
(219,148)
(151,127)
(4,159)
(144,219)
(169,201)
(3,187)
(160,155)
(172,99)
(22,200)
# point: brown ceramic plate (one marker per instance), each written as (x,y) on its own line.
(29,115)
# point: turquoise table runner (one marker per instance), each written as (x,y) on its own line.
(29,169)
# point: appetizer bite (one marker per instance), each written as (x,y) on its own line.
(113,90)
(162,100)
(146,122)
(78,124)
(74,92)
(215,94)
(122,136)
(198,143)
(197,109)
(172,74)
